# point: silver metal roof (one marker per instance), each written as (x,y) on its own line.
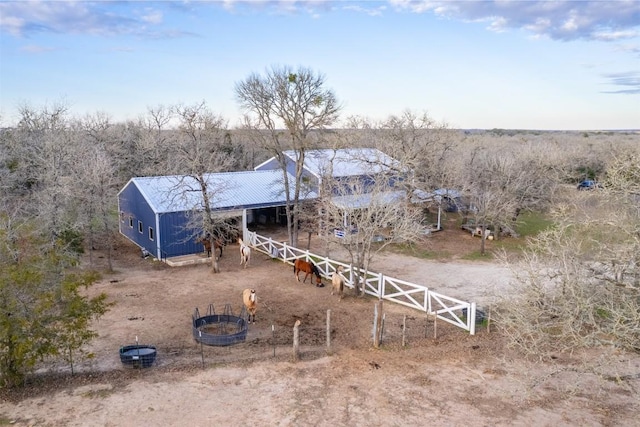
(359,201)
(230,190)
(346,161)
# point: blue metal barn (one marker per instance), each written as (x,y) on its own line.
(155,211)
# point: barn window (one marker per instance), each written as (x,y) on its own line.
(140,226)
(130,222)
(150,233)
(121,216)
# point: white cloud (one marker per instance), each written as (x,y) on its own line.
(36,49)
(26,18)
(12,24)
(630,48)
(559,20)
(629,82)
(616,35)
(376,11)
(153,17)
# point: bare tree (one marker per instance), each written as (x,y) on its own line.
(423,147)
(370,215)
(500,182)
(284,107)
(44,149)
(97,182)
(577,287)
(579,283)
(622,176)
(199,151)
(97,174)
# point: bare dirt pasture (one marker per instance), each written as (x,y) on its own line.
(454,379)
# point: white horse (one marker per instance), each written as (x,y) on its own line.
(245,253)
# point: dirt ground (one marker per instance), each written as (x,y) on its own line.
(451,379)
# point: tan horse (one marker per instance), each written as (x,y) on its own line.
(250,301)
(337,283)
(245,253)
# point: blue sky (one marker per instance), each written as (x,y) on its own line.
(508,64)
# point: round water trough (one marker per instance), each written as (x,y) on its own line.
(138,355)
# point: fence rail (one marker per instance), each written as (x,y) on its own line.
(451,310)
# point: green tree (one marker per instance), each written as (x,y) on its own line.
(43,312)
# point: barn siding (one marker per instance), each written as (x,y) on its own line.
(176,239)
(343,185)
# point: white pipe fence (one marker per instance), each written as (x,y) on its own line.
(376,284)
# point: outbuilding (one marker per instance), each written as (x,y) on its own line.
(155,211)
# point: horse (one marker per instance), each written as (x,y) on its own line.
(337,283)
(250,301)
(245,253)
(308,268)
(217,244)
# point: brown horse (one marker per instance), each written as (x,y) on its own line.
(217,244)
(308,268)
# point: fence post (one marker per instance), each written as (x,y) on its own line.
(404,329)
(296,340)
(380,285)
(377,328)
(426,326)
(328,329)
(472,319)
(272,248)
(435,325)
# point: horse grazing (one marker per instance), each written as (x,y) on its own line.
(308,268)
(251,303)
(245,253)
(217,244)
(337,283)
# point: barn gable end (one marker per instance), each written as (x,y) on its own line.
(137,218)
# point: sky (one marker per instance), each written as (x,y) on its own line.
(546,65)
